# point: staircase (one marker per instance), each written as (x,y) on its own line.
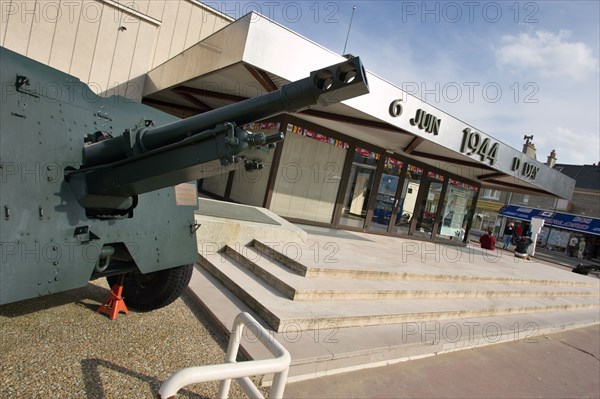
(353,301)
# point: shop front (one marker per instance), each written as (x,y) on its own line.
(562,232)
(321,177)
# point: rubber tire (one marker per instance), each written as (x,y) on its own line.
(146,292)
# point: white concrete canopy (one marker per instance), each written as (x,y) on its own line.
(255,55)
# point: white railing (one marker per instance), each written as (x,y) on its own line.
(234,370)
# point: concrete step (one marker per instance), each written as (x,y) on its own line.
(259,266)
(330,349)
(283,314)
(308,260)
(300,288)
(251,290)
(270,253)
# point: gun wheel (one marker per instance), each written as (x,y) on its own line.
(145,292)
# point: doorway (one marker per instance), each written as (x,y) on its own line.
(358,191)
(428,207)
(386,200)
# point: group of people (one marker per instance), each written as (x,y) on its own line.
(576,246)
(512,235)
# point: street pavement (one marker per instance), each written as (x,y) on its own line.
(549,257)
(561,259)
(562,365)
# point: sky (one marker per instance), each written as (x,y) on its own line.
(507,68)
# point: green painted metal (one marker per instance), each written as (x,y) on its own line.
(63,204)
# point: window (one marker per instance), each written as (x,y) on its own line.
(525,199)
(563,205)
(457,210)
(490,194)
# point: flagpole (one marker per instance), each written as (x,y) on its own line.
(349,26)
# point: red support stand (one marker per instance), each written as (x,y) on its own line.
(115,302)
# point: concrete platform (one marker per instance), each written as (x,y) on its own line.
(222,223)
(341,301)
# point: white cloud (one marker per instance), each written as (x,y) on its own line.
(560,114)
(572,146)
(549,54)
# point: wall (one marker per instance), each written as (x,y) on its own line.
(533,201)
(107,44)
(216,184)
(586,203)
(250,187)
(308,179)
(583,202)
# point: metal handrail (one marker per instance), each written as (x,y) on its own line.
(232,369)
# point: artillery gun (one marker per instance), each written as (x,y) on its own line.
(99,187)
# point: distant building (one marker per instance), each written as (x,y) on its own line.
(578,218)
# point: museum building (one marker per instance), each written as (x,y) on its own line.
(385,162)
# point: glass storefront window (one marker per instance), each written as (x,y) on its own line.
(408,199)
(429,205)
(386,195)
(360,184)
(457,208)
(485,220)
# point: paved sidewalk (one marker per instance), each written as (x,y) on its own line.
(562,365)
(544,255)
(561,259)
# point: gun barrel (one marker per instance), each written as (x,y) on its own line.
(328,85)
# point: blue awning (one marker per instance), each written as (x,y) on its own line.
(582,224)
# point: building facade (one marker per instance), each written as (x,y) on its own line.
(109,45)
(568,222)
(385,162)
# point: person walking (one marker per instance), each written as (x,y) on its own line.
(573,245)
(509,231)
(518,231)
(581,248)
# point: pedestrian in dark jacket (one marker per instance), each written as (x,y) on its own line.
(523,244)
(509,231)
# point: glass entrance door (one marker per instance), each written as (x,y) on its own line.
(428,207)
(360,184)
(407,199)
(386,199)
